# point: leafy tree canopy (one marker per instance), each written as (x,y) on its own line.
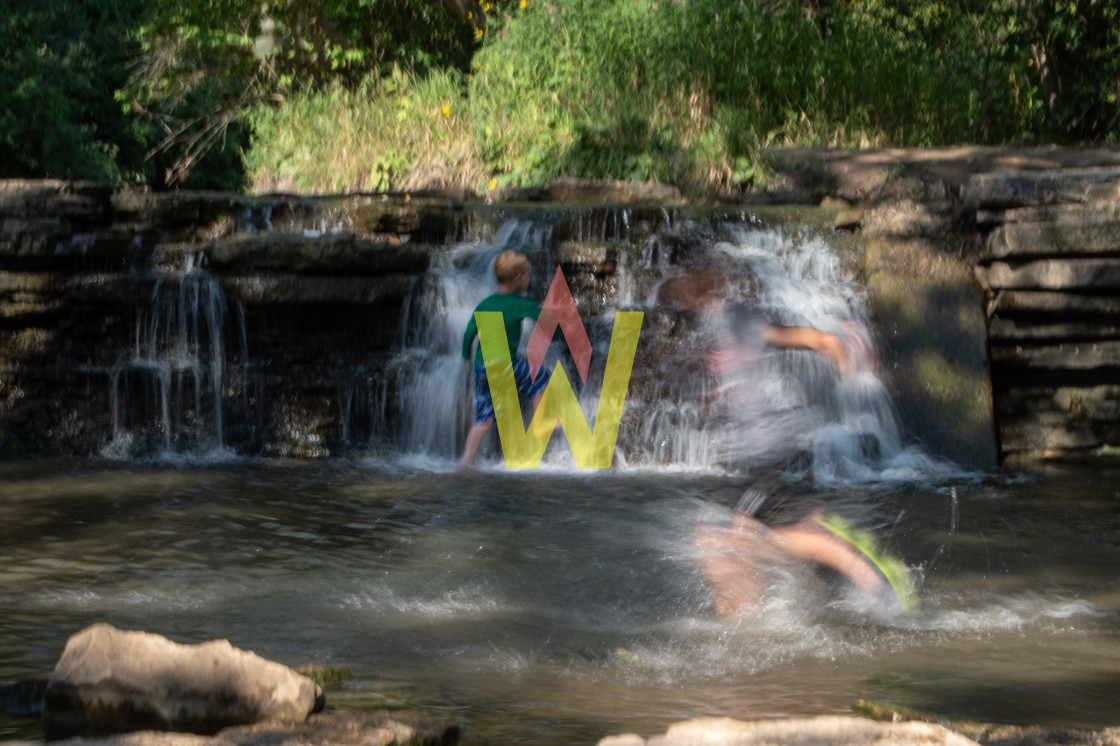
(162,91)
(62,61)
(206,63)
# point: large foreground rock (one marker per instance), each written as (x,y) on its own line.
(112,681)
(819,731)
(381,728)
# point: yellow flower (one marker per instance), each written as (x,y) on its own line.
(478,34)
(446,110)
(493,184)
(524,3)
(486,7)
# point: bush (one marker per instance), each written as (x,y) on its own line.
(397,94)
(692,92)
(400,133)
(209,67)
(62,61)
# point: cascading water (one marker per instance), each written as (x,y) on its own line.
(842,425)
(806,415)
(783,406)
(436,395)
(168,395)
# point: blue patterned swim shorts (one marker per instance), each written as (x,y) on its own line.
(484,405)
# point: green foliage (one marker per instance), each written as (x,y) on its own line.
(327,95)
(563,91)
(404,132)
(207,65)
(627,149)
(692,91)
(1046,71)
(1073,50)
(62,60)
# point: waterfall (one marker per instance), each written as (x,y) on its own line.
(804,415)
(847,426)
(436,399)
(167,395)
(179,389)
(799,411)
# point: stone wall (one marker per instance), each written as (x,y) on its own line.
(86,271)
(81,263)
(1051,268)
(279,348)
(927,309)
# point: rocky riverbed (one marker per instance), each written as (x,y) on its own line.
(128,688)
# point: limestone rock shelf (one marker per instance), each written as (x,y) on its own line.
(1053,276)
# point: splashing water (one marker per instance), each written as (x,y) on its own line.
(798,410)
(575,596)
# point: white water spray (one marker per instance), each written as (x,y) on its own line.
(798,410)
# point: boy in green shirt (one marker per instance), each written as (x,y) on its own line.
(511,269)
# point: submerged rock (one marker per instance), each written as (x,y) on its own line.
(324,675)
(822,731)
(380,728)
(113,681)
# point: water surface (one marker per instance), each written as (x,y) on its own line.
(560,607)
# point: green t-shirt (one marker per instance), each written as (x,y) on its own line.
(514,309)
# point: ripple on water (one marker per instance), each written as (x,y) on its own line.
(461,603)
(1025,611)
(159,599)
(573,598)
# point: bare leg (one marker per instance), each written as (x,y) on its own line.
(808,541)
(474,440)
(733,562)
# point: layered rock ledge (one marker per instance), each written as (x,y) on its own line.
(992,275)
